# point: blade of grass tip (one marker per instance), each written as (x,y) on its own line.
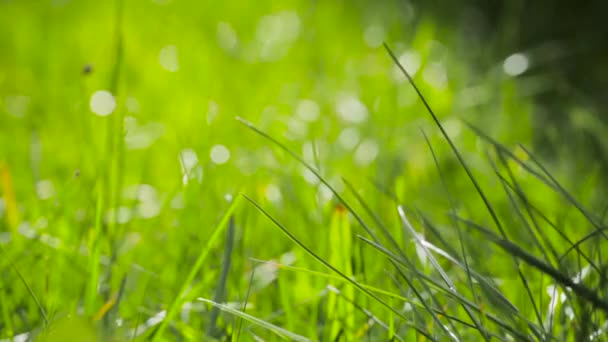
(27,286)
(455,151)
(221,286)
(593,220)
(294,239)
(457,297)
(503,149)
(444,276)
(450,142)
(314,171)
(551,182)
(283,333)
(179,298)
(240,321)
(513,249)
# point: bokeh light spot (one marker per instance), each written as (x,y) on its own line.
(373,36)
(102,103)
(351,109)
(226,36)
(366,152)
(516,64)
(307,110)
(349,138)
(220,154)
(168,58)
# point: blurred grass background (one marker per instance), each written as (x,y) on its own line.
(120,152)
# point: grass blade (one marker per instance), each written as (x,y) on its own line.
(179,298)
(294,239)
(285,334)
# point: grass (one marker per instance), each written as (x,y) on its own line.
(358,195)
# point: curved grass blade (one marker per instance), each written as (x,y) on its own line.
(294,239)
(464,165)
(458,297)
(283,333)
(314,171)
(27,286)
(516,251)
(179,298)
(404,258)
(221,286)
(326,183)
(419,241)
(333,277)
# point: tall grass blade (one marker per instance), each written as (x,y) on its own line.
(283,333)
(221,286)
(516,251)
(420,242)
(294,239)
(177,303)
(27,286)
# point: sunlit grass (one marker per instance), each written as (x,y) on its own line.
(134,206)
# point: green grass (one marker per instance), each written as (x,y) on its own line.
(358,201)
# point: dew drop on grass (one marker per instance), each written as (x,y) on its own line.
(102,103)
(220,154)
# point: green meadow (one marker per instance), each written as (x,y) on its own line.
(288,170)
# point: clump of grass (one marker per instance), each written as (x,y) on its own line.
(449,289)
